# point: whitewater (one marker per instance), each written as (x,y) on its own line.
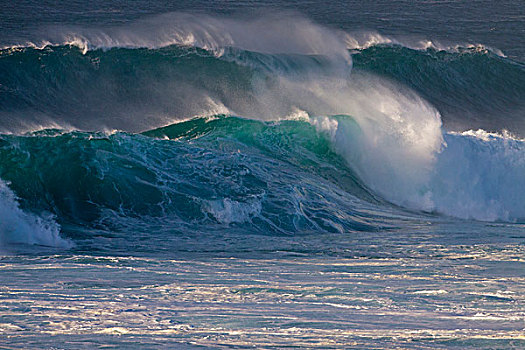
(188,179)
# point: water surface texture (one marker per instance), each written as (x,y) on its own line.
(268,174)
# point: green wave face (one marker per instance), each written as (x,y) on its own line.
(271,178)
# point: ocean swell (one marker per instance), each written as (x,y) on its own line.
(214,126)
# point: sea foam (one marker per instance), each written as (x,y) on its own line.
(18,226)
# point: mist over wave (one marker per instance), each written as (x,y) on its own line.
(470,175)
(143,75)
(472,89)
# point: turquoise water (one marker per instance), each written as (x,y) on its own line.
(261,179)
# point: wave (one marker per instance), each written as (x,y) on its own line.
(330,139)
(361,40)
(18,226)
(472,89)
(271,32)
(138,89)
(469,175)
(272,178)
(323,174)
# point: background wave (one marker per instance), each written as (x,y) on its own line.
(137,89)
(473,88)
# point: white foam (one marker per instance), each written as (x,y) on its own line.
(365,39)
(471,175)
(391,142)
(18,226)
(273,33)
(227,211)
(480,175)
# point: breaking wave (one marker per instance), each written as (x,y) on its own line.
(274,126)
(18,226)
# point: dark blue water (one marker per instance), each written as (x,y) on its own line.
(497,25)
(262,174)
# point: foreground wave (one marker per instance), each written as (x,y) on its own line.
(275,178)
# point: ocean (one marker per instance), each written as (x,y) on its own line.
(262,174)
